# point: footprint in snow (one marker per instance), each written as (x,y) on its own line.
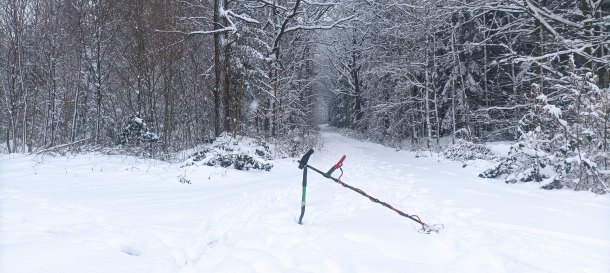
(124,247)
(130,250)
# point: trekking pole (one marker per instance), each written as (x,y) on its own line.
(303,164)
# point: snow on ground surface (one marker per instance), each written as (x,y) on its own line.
(94,213)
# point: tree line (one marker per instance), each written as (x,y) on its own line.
(109,72)
(177,73)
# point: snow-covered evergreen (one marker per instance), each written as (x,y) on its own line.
(137,132)
(561,147)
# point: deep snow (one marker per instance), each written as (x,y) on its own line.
(95,213)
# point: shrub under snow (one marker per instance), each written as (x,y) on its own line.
(524,163)
(137,132)
(241,153)
(465,150)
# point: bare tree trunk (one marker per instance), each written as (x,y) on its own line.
(98,85)
(356,78)
(25,94)
(436,117)
(606,132)
(270,119)
(75,112)
(427,93)
(217,65)
(8,138)
(53,106)
(228,99)
(453,89)
(30,139)
(52,96)
(485,67)
(79,60)
(11,118)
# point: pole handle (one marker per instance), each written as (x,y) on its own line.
(335,167)
(338,165)
(305,159)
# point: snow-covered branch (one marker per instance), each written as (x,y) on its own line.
(535,11)
(321,27)
(275,5)
(552,55)
(503,107)
(242,17)
(205,32)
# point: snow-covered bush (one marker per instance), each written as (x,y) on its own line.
(466,150)
(137,132)
(241,153)
(530,159)
(526,162)
(562,148)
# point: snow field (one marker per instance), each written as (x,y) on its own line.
(94,213)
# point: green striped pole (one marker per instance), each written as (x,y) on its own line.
(303,196)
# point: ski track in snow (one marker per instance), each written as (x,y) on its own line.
(94,213)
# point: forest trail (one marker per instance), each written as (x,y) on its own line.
(92,213)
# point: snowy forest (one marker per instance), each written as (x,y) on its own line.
(189,136)
(170,74)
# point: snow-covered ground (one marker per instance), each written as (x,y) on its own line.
(94,213)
